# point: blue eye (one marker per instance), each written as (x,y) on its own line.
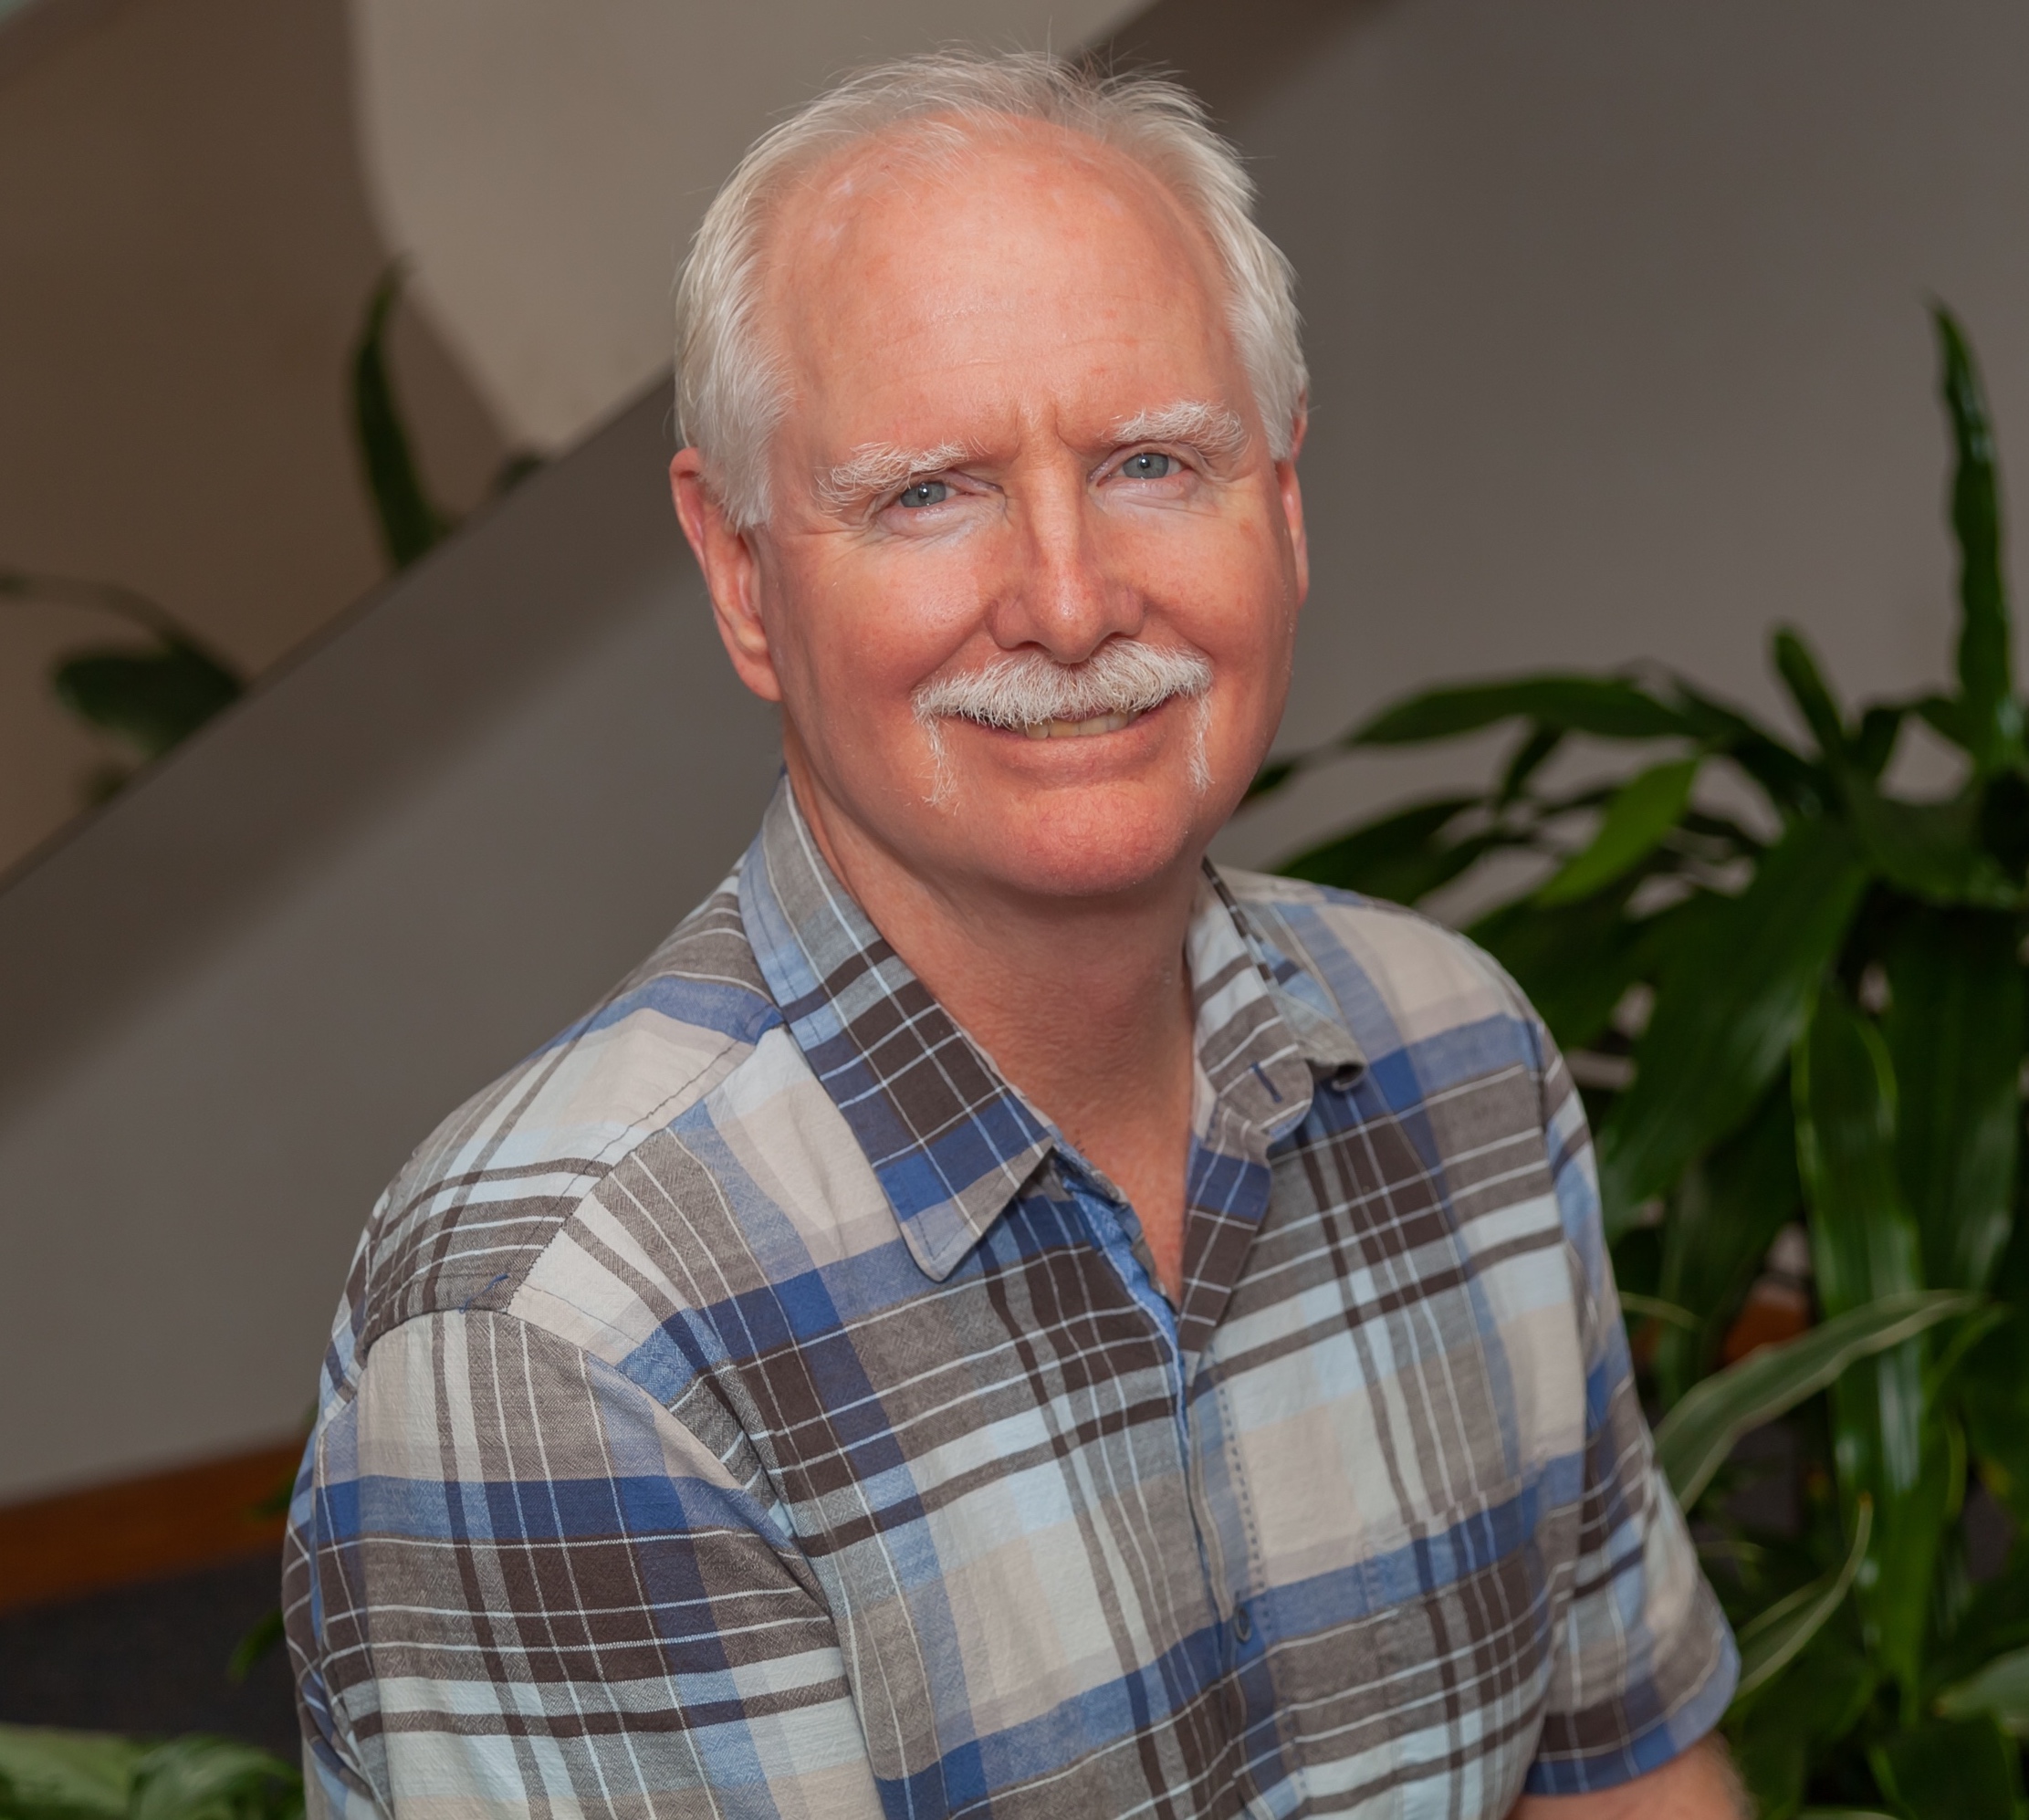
(1148,466)
(924,493)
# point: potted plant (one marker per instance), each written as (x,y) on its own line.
(1807,1013)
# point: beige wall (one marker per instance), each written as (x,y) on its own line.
(1616,314)
(185,252)
(233,1002)
(546,160)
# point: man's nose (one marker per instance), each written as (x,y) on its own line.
(1063,594)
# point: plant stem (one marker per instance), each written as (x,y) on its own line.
(110,597)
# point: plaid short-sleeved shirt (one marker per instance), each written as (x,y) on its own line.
(752,1406)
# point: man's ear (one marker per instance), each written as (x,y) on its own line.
(1298,429)
(1291,496)
(732,574)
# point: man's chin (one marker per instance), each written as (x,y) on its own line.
(1086,844)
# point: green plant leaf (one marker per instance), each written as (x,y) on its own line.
(1793,782)
(1725,832)
(2003,822)
(266,1635)
(1576,961)
(200,1778)
(1961,1769)
(2001,1690)
(1399,857)
(1880,727)
(1989,722)
(150,700)
(1726,1209)
(1805,682)
(1991,1387)
(1955,1033)
(1772,1762)
(1777,1636)
(410,524)
(1943,1371)
(1933,851)
(1654,1308)
(1865,1247)
(48,1774)
(1776,1740)
(1728,1007)
(1693,1440)
(1996,1624)
(1573,961)
(1645,809)
(1948,716)
(1537,748)
(1605,706)
(1864,1244)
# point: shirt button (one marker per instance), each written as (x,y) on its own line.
(1243,1626)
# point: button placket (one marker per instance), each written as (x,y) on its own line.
(1140,1284)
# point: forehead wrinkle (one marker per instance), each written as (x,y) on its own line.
(874,468)
(1214,428)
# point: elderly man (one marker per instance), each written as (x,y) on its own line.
(998,1316)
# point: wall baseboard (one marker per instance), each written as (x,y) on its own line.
(139,1529)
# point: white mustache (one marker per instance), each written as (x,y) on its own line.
(1028,688)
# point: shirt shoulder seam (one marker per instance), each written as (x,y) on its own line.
(468,1311)
(499,1291)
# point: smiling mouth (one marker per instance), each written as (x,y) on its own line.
(1080,729)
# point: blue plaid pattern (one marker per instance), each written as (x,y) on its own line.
(752,1406)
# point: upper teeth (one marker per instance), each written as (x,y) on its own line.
(1078,730)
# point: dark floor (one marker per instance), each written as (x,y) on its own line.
(152,1659)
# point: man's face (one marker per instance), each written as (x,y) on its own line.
(1017,428)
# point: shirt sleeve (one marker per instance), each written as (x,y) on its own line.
(1644,1664)
(517,1584)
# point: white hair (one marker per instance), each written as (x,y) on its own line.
(730,385)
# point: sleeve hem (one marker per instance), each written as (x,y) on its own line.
(1663,1741)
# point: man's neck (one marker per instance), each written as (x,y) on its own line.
(1084,1005)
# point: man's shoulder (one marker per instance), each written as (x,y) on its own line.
(487,1193)
(1397,978)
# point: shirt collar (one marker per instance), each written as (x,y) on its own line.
(1265,1029)
(950,1141)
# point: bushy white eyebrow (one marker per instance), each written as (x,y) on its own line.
(1215,429)
(873,468)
